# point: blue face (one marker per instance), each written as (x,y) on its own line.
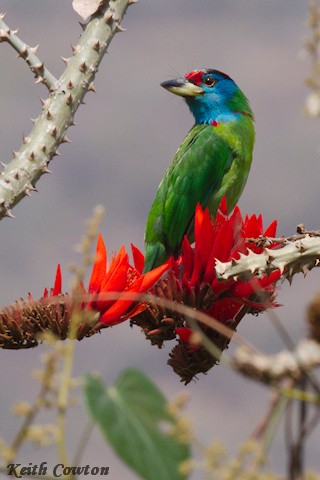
(212,104)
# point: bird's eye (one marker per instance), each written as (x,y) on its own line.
(209,81)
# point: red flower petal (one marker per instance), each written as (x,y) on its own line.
(58,282)
(272,229)
(138,258)
(150,278)
(116,277)
(99,267)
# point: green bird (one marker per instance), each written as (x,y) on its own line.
(213,160)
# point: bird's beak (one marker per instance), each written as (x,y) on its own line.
(182,87)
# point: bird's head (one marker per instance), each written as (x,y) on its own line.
(211,95)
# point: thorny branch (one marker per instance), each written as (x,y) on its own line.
(300,255)
(28,53)
(38,148)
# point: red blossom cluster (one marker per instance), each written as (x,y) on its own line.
(110,286)
(190,280)
(224,238)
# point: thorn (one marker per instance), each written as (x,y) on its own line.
(70,85)
(39,80)
(83,67)
(82,25)
(34,49)
(25,140)
(108,16)
(15,153)
(299,245)
(33,120)
(304,270)
(57,153)
(120,29)
(281,267)
(29,188)
(69,100)
(75,49)
(16,176)
(289,278)
(8,214)
(31,157)
(43,148)
(131,2)
(14,32)
(46,170)
(2,15)
(43,102)
(39,66)
(65,139)
(65,60)
(54,131)
(23,52)
(4,164)
(316,263)
(96,46)
(49,115)
(91,88)
(4,35)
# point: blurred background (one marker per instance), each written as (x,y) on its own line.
(126,135)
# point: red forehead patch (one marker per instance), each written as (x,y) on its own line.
(195,76)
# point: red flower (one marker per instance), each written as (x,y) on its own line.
(120,278)
(114,281)
(223,238)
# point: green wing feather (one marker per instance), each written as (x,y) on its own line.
(195,173)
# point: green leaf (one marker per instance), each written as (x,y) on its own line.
(132,416)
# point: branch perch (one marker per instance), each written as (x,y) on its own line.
(38,148)
(299,256)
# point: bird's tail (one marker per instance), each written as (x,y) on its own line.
(155,255)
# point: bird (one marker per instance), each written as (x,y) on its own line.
(213,161)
